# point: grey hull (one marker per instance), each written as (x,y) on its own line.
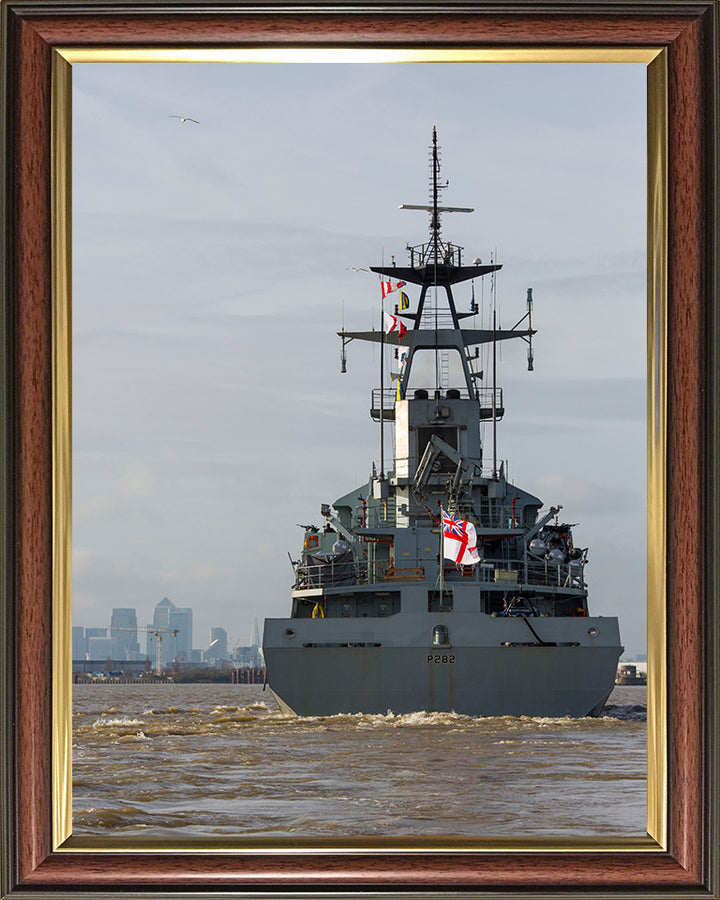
(492,679)
(438,584)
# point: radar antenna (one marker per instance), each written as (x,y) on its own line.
(434,251)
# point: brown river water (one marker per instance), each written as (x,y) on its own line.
(201,760)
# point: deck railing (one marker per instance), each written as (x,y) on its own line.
(389,396)
(489,571)
(501,516)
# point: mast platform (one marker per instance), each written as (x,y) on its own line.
(484,400)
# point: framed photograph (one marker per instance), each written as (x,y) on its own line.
(676,42)
(188,376)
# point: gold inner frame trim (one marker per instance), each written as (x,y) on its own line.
(657,287)
(63,59)
(359,55)
(61,195)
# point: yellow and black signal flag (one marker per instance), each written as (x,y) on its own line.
(404,300)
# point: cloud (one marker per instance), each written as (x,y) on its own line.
(119,497)
(82,559)
(588,497)
(576,402)
(137,481)
(196,575)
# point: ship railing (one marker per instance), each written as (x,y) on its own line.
(488,571)
(493,514)
(568,575)
(488,513)
(404,569)
(484,395)
(495,571)
(389,395)
(331,572)
(364,571)
(432,251)
(503,571)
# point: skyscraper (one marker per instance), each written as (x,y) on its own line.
(218,644)
(79,644)
(99,648)
(174,647)
(125,642)
(182,619)
(93,644)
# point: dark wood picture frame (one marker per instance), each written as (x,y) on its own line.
(687,30)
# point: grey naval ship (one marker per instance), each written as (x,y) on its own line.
(438,585)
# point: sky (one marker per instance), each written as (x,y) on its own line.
(213,266)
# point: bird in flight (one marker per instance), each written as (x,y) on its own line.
(184,119)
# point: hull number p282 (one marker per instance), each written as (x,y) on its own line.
(440,658)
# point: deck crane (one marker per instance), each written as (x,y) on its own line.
(158,632)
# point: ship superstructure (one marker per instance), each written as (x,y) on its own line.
(381,619)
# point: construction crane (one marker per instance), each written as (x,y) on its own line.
(158,632)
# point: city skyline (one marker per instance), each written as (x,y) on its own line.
(119,640)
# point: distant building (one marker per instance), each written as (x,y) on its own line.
(125,641)
(168,616)
(161,616)
(100,647)
(248,656)
(182,619)
(79,645)
(95,632)
(218,645)
(93,635)
(255,638)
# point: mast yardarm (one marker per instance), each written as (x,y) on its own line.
(437,264)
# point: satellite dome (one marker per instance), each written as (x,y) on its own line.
(537,547)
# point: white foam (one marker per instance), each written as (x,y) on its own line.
(124,721)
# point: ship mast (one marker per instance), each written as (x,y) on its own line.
(434,264)
(435,214)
